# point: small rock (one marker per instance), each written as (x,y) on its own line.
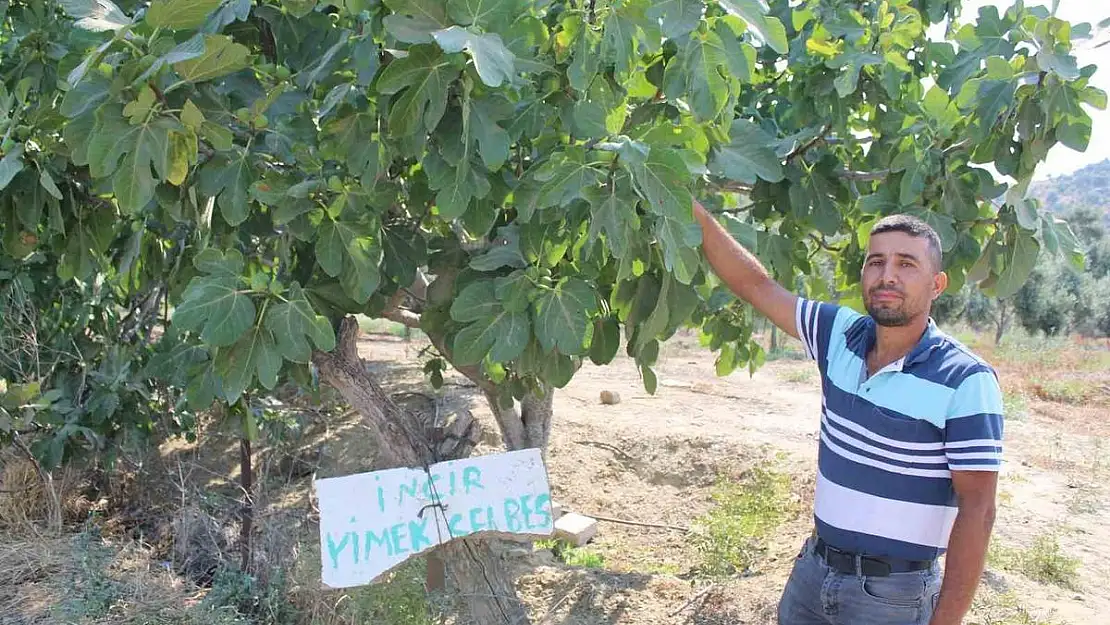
(610,398)
(995,581)
(575,529)
(557,510)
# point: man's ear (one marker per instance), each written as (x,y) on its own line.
(940,284)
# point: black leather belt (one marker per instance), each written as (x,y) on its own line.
(871,566)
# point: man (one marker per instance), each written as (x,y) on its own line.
(910,442)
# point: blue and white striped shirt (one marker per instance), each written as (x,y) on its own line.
(890,442)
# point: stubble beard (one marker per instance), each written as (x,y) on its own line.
(892,315)
(889,317)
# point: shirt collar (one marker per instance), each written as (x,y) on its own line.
(931,339)
(861,339)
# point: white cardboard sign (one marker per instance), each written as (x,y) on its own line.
(372,522)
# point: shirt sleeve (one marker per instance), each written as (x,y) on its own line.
(973,428)
(815,322)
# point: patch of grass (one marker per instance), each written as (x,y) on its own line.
(1022,348)
(1001,608)
(966,335)
(385,326)
(243,594)
(90,580)
(1043,562)
(1084,499)
(1005,497)
(786,353)
(397,599)
(92,592)
(1063,391)
(730,537)
(662,568)
(798,376)
(400,600)
(1093,360)
(1015,406)
(571,555)
(1014,478)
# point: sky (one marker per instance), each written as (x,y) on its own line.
(1062,160)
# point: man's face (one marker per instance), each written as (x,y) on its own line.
(899,279)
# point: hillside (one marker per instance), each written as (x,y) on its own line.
(1089,186)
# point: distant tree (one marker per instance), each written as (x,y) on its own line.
(1090,228)
(972,306)
(1043,307)
(949,307)
(1101,305)
(1086,222)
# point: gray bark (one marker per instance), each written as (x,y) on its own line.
(527,424)
(1002,322)
(475,573)
(536,413)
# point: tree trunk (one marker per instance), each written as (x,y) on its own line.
(246,475)
(475,572)
(1002,322)
(525,425)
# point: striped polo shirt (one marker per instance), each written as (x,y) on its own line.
(890,442)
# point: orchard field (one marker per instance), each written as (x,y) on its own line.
(214,212)
(731,459)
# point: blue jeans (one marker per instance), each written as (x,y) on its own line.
(818,595)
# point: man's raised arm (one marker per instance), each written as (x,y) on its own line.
(742,272)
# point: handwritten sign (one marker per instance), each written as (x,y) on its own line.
(372,522)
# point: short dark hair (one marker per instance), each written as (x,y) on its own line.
(915,227)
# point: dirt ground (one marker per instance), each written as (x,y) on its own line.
(652,459)
(698,425)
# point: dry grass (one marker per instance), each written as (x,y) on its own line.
(30,560)
(806,374)
(1065,379)
(27,568)
(85,580)
(27,502)
(992,607)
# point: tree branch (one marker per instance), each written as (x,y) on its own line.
(401,441)
(662,526)
(841,141)
(733,187)
(394,312)
(957,146)
(729,186)
(809,144)
(864,176)
(775,81)
(403,316)
(825,244)
(158,93)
